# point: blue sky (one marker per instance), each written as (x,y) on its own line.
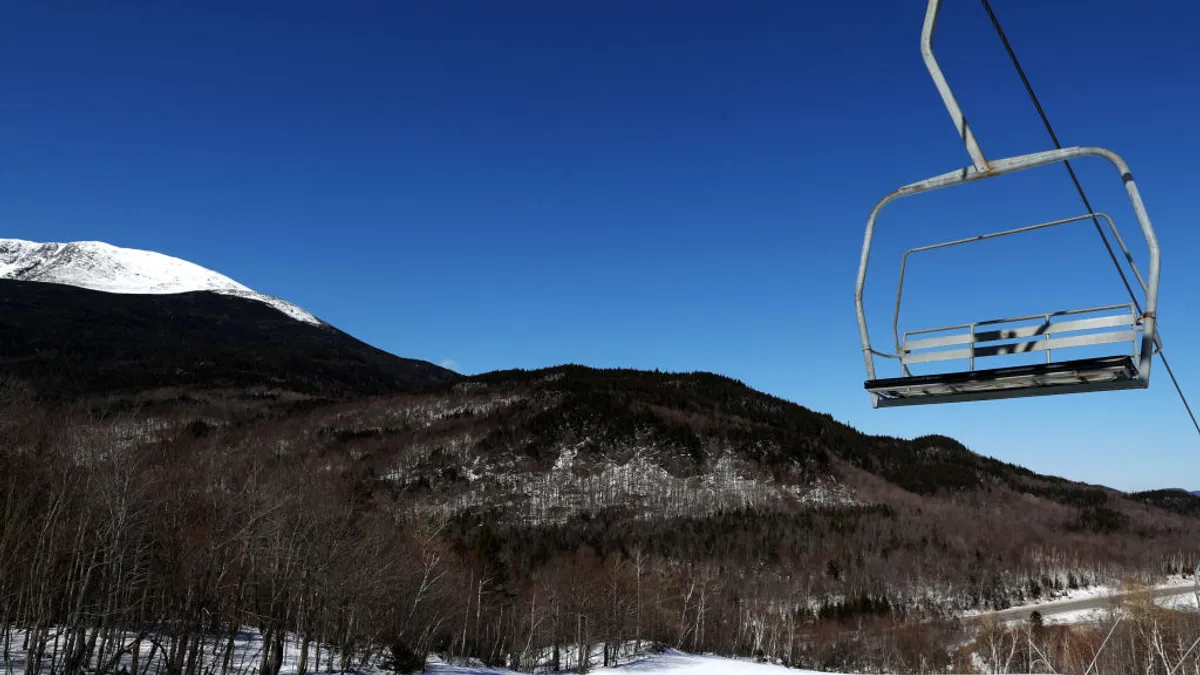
(665,185)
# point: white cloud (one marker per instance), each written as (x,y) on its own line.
(449,364)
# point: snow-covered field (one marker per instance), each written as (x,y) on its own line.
(247,652)
(1186,602)
(670,661)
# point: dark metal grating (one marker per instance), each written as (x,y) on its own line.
(1043,379)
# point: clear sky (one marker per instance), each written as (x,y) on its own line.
(672,185)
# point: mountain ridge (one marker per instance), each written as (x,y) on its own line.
(66,342)
(100,266)
(702,468)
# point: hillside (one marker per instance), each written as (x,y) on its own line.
(276,472)
(1186,503)
(65,342)
(471,518)
(614,458)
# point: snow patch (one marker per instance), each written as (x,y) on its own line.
(99,266)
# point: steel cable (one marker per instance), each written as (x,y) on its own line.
(1012,55)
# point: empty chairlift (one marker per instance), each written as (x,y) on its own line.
(1129,332)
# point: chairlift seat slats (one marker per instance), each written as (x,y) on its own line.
(1045,334)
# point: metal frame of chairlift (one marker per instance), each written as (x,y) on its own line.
(1049,332)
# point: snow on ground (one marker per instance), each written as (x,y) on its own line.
(100,266)
(248,644)
(1107,598)
(1094,615)
(1098,592)
(248,650)
(671,662)
(1184,602)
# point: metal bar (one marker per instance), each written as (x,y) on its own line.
(1045,328)
(974,350)
(1013,333)
(1050,328)
(1076,325)
(1031,317)
(1124,249)
(924,331)
(1048,332)
(971,363)
(1066,312)
(943,87)
(1000,167)
(1004,233)
(1056,343)
(930,343)
(943,355)
(1132,265)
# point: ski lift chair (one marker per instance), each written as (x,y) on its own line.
(1050,333)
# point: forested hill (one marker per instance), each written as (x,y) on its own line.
(683,508)
(698,466)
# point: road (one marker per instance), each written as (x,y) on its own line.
(1064,606)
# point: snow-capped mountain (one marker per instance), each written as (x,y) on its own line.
(99,266)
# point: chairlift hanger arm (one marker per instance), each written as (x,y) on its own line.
(943,87)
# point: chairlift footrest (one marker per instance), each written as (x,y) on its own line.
(1082,375)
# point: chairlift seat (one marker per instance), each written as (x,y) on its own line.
(1047,333)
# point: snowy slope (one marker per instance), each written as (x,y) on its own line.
(670,663)
(248,649)
(99,266)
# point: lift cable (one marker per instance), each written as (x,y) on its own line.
(1083,196)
